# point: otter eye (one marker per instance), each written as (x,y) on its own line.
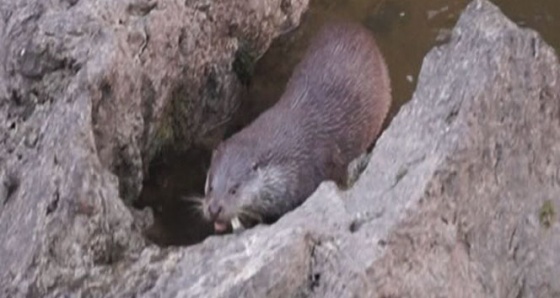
(254,166)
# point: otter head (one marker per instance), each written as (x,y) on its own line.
(241,186)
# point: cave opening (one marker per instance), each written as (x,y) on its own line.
(174,181)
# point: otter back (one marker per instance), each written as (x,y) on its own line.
(334,104)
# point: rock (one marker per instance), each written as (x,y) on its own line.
(453,200)
(466,169)
(89,92)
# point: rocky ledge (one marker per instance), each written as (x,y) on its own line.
(459,198)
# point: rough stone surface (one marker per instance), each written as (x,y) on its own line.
(470,169)
(89,92)
(457,197)
(460,198)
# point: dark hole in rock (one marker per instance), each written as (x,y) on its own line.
(354,226)
(53,205)
(174,177)
(315,281)
(72,2)
(11,185)
(16,98)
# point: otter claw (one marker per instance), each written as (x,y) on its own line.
(236,225)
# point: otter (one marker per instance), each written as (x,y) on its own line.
(330,113)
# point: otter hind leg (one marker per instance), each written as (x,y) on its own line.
(339,172)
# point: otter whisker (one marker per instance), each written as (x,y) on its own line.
(196,209)
(196,204)
(193,199)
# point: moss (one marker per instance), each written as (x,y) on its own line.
(164,133)
(175,125)
(547,214)
(244,63)
(163,137)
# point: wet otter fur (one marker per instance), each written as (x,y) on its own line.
(332,110)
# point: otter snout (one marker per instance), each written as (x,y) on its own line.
(215,212)
(214,209)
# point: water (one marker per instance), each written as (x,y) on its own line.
(405,30)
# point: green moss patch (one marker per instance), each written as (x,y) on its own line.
(547,214)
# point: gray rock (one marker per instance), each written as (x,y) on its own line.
(470,170)
(458,197)
(89,92)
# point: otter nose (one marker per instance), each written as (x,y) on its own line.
(214,209)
